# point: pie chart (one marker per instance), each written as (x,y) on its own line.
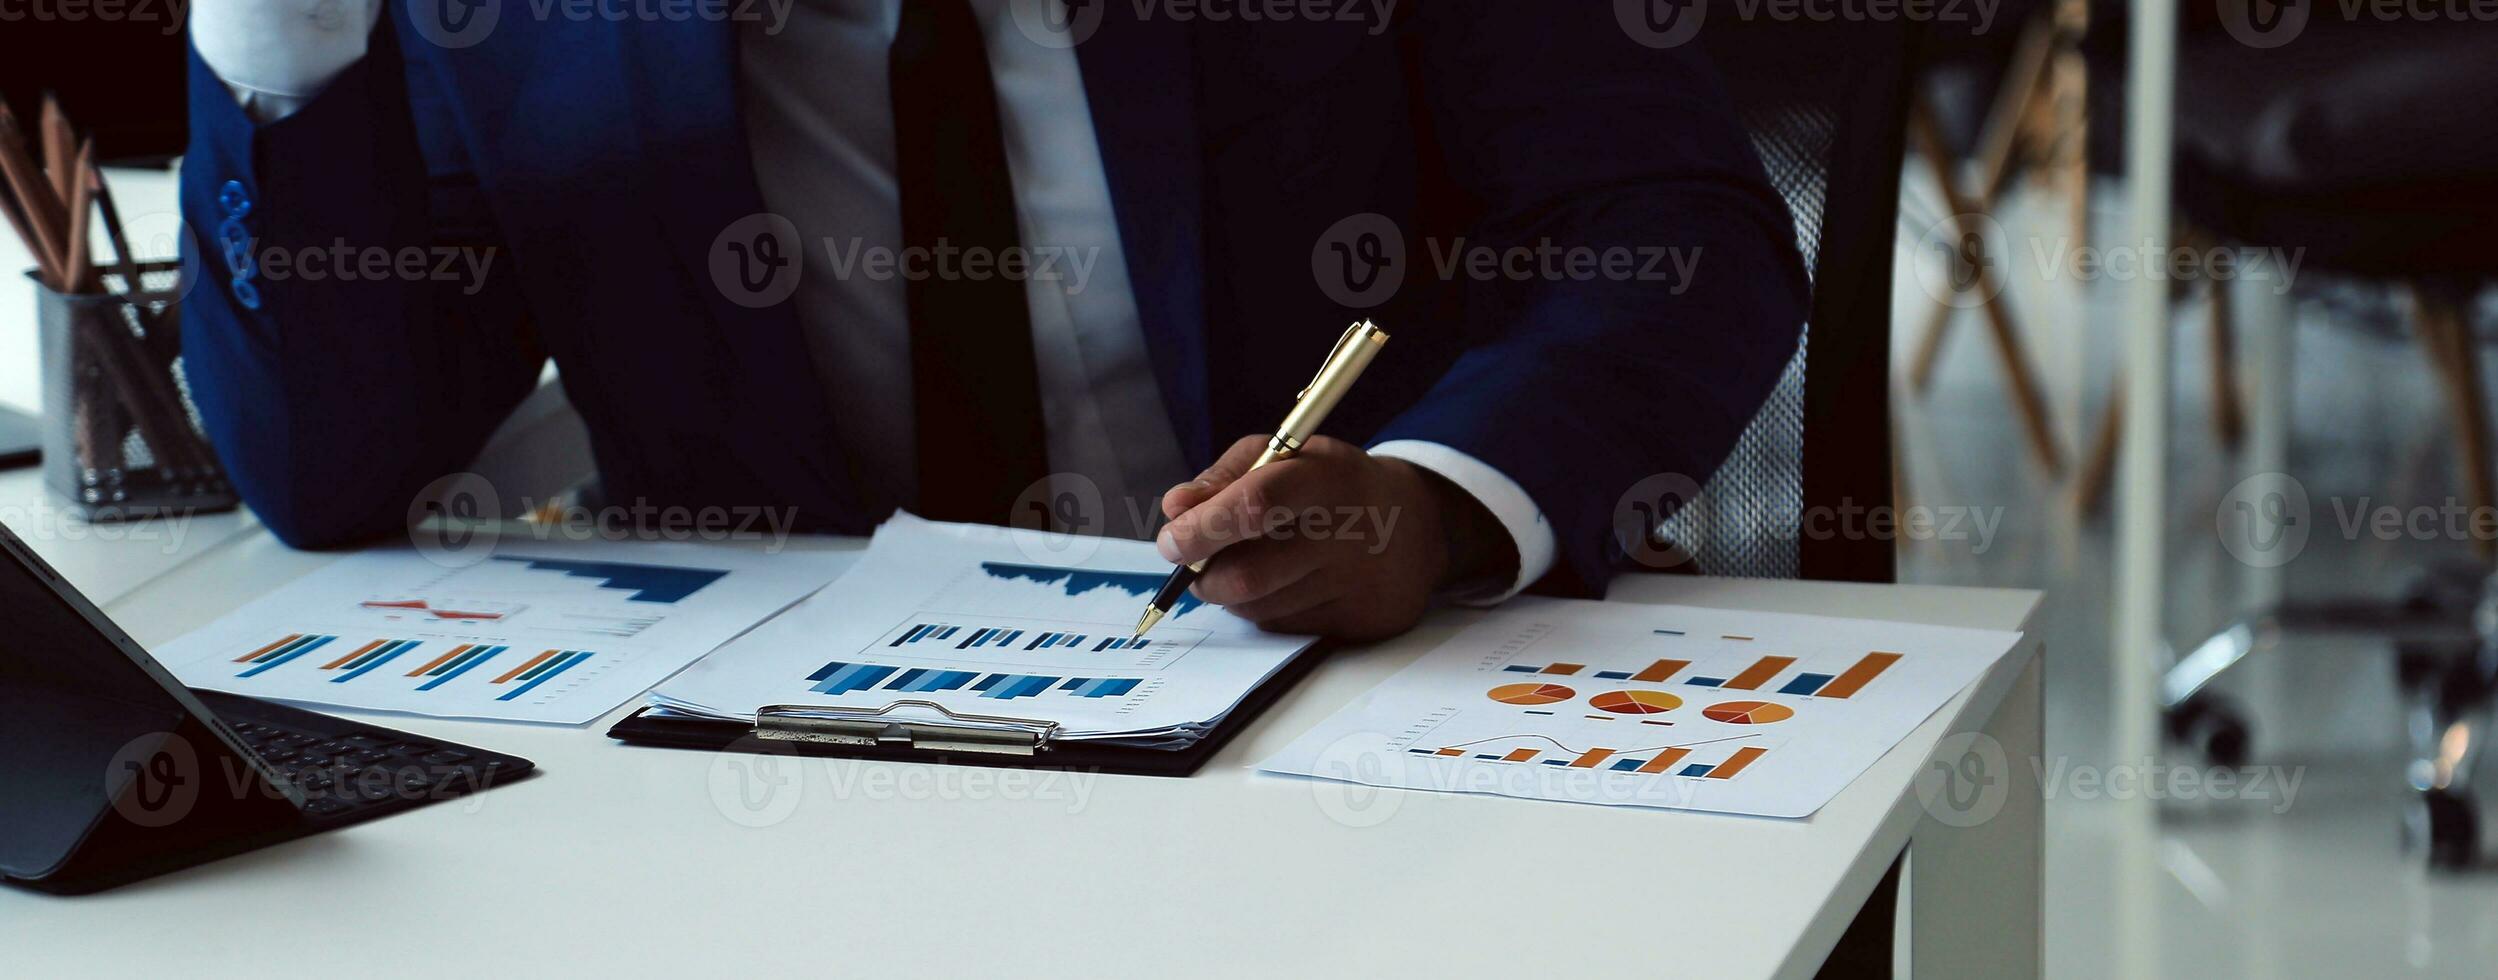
(1532,693)
(1747,712)
(1635,702)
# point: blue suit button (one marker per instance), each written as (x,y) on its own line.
(246,294)
(232,198)
(238,246)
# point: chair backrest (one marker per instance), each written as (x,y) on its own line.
(1825,105)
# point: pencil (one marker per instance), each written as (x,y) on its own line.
(58,139)
(34,196)
(78,264)
(113,234)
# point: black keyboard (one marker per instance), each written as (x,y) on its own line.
(348,770)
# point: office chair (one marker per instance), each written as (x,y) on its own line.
(1823,104)
(2358,143)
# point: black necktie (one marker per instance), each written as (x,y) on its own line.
(976,395)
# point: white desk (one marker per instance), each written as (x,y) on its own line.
(625,861)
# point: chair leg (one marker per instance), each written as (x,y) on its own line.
(1998,156)
(2072,86)
(1929,350)
(2090,488)
(2228,409)
(2026,400)
(2455,360)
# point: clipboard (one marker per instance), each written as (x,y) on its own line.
(991,741)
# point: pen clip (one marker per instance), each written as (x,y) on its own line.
(1342,343)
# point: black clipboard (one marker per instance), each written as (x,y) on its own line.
(1023,744)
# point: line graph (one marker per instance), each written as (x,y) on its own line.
(1078,582)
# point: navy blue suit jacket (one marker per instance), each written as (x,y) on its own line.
(602,160)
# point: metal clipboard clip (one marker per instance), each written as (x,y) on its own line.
(994,734)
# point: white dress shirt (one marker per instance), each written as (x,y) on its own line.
(819,116)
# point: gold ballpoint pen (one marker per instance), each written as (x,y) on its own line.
(1353,352)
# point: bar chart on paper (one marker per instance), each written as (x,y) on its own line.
(1657,706)
(559,632)
(437,664)
(994,623)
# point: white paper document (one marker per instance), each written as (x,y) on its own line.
(552,631)
(1657,706)
(995,622)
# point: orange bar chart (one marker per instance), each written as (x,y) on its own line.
(1855,678)
(1452,752)
(290,638)
(1735,763)
(1518,755)
(1759,673)
(1665,760)
(1589,758)
(1659,671)
(439,661)
(525,665)
(352,654)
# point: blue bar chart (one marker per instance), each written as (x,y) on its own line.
(368,659)
(280,653)
(845,677)
(663,584)
(1064,646)
(538,670)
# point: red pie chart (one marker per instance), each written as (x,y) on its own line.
(1532,693)
(1747,712)
(1635,702)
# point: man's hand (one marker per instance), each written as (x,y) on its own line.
(1333,541)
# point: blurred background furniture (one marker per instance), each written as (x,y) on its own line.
(1985,116)
(2364,147)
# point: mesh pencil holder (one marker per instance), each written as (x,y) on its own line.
(121,438)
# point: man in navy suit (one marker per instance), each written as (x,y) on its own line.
(835,257)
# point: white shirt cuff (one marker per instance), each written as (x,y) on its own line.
(276,55)
(1499,494)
